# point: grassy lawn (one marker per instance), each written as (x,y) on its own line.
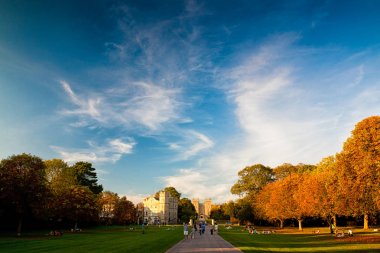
(289,240)
(105,239)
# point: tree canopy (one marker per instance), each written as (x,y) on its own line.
(86,176)
(23,185)
(186,210)
(252,179)
(358,167)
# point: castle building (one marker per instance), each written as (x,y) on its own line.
(162,210)
(203,209)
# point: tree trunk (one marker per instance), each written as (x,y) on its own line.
(300,224)
(334,219)
(365,221)
(281,224)
(19,226)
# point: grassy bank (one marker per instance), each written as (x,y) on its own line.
(290,240)
(106,239)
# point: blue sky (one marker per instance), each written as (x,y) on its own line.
(185,93)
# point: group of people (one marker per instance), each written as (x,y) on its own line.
(201,227)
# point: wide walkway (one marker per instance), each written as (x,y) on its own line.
(204,243)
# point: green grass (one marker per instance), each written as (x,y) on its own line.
(289,240)
(104,239)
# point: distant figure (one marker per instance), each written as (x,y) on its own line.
(192,235)
(350,233)
(216,228)
(212,229)
(186,230)
(203,228)
(200,229)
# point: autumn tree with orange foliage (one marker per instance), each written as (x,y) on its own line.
(274,202)
(345,184)
(358,168)
(108,201)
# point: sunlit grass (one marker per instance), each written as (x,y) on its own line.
(292,240)
(119,239)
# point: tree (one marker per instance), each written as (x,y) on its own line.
(252,179)
(268,204)
(358,167)
(216,213)
(86,176)
(284,170)
(77,203)
(125,212)
(302,186)
(275,201)
(305,168)
(186,210)
(58,175)
(329,199)
(245,211)
(108,202)
(23,185)
(230,209)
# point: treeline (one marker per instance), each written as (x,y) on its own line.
(346,184)
(51,194)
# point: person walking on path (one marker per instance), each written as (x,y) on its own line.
(185,230)
(192,234)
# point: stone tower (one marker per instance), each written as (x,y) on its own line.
(195,202)
(164,205)
(207,207)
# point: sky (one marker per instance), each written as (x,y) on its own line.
(185,93)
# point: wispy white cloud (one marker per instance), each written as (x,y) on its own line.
(166,51)
(111,152)
(191,145)
(88,106)
(137,104)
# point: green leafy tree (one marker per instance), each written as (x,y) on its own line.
(230,208)
(59,175)
(252,179)
(23,185)
(284,170)
(86,176)
(186,210)
(358,167)
(218,214)
(245,211)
